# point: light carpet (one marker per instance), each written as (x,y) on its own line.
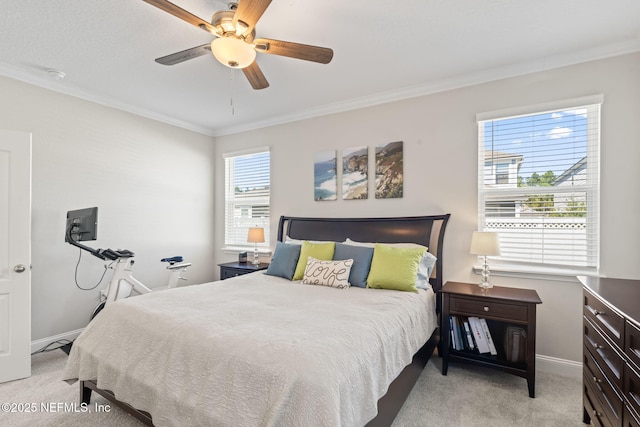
(467,396)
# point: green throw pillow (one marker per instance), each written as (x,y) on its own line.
(322,251)
(394,268)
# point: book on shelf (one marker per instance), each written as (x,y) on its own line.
(485,329)
(457,336)
(467,331)
(452,331)
(479,335)
(471,333)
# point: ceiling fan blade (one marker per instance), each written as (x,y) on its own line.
(255,76)
(182,14)
(249,12)
(307,52)
(184,55)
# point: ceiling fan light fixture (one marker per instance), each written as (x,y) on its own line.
(233,52)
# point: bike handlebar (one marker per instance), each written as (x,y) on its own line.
(103,254)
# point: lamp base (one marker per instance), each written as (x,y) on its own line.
(256,256)
(485,283)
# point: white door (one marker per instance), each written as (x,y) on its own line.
(15,255)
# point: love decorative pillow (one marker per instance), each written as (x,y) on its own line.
(327,273)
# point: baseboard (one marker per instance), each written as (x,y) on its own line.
(561,367)
(38,345)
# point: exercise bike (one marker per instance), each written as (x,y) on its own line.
(122,282)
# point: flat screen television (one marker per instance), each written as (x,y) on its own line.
(83,223)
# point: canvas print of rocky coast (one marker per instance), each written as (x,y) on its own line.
(325,176)
(355,176)
(389,170)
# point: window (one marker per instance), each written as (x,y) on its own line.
(538,183)
(247,190)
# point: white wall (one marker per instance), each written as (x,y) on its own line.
(440,136)
(152,183)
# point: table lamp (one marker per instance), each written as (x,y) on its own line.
(255,236)
(485,243)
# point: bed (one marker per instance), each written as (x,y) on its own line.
(260,349)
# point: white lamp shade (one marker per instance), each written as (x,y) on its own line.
(255,235)
(485,243)
(233,52)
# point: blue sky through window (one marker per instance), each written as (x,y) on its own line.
(251,171)
(552,141)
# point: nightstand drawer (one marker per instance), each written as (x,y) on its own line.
(227,273)
(233,269)
(489,309)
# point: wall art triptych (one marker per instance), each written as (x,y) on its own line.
(353,173)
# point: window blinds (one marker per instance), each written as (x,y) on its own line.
(247,195)
(538,185)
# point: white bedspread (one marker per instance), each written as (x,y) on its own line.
(255,350)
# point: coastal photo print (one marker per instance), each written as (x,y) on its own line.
(325,176)
(355,164)
(389,170)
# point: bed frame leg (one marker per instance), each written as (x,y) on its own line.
(85,393)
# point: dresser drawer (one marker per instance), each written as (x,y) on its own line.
(607,358)
(610,322)
(610,401)
(489,309)
(632,343)
(630,419)
(632,387)
(592,405)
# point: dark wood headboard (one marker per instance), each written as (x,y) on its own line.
(424,230)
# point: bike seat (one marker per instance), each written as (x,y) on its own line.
(114,254)
(172,260)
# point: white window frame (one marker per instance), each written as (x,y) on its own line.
(234,236)
(501,265)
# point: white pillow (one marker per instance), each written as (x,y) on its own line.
(292,241)
(327,273)
(425,267)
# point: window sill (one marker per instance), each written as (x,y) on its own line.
(237,249)
(537,273)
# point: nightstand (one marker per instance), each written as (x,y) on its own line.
(510,316)
(233,269)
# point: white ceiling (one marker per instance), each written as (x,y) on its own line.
(383,51)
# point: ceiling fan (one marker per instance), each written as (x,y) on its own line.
(235,44)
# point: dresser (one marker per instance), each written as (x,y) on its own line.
(611,351)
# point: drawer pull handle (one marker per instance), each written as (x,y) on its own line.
(597,380)
(486,308)
(599,313)
(597,346)
(598,415)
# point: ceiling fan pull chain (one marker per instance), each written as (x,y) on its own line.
(233,90)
